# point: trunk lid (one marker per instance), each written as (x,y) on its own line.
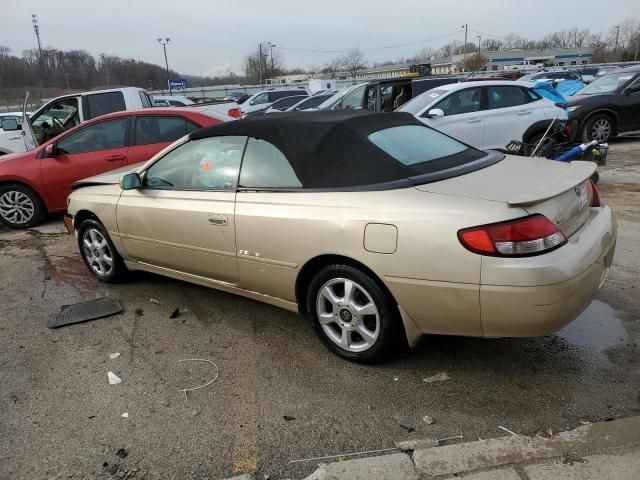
(560,191)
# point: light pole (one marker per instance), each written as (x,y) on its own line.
(479,38)
(464,57)
(271,46)
(36,29)
(166,62)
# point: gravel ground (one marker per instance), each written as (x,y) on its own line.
(280,395)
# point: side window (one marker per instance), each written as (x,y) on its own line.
(176,103)
(352,101)
(534,96)
(206,164)
(264,166)
(462,101)
(103,103)
(504,97)
(61,113)
(156,129)
(261,99)
(191,127)
(97,136)
(145,100)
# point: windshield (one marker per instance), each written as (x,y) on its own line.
(419,103)
(331,101)
(608,84)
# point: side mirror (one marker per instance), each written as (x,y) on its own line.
(435,113)
(10,125)
(51,150)
(130,181)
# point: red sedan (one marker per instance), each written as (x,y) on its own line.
(38,182)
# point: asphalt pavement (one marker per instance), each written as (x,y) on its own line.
(280,397)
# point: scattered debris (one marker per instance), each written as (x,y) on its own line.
(122,453)
(395,379)
(508,431)
(446,439)
(114,355)
(549,432)
(429,420)
(417,444)
(343,455)
(191,389)
(125,415)
(584,422)
(13,397)
(47,277)
(195,413)
(84,311)
(153,300)
(288,418)
(113,378)
(91,417)
(158,352)
(138,312)
(439,377)
(175,313)
(407,429)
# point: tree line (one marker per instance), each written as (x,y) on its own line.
(76,70)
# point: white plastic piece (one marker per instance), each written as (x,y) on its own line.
(113,378)
(114,355)
(125,415)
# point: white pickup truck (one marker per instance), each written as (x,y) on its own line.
(62,113)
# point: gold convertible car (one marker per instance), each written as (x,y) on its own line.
(378,227)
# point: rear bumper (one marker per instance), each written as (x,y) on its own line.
(559,289)
(519,297)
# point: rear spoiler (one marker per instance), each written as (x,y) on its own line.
(577,173)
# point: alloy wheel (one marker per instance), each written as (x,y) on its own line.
(348,315)
(601,130)
(16,207)
(97,252)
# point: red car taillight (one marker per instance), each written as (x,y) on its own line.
(234,112)
(516,238)
(595,195)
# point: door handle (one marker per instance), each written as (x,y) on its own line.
(474,120)
(219,220)
(525,112)
(115,158)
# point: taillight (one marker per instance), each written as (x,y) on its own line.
(595,195)
(516,238)
(234,112)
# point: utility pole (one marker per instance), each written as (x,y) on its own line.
(260,63)
(166,62)
(271,46)
(36,29)
(479,38)
(66,76)
(617,27)
(464,57)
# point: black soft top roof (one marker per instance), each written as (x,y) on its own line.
(331,149)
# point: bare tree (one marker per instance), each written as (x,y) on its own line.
(354,61)
(333,66)
(262,63)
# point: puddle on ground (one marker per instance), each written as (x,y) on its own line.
(597,328)
(70,271)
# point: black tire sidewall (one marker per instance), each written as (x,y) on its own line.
(118,265)
(39,210)
(388,342)
(588,126)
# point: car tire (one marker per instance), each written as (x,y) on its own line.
(20,206)
(363,325)
(98,252)
(598,127)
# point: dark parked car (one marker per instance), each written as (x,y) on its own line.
(608,106)
(238,97)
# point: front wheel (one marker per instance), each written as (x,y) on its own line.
(98,252)
(599,127)
(354,316)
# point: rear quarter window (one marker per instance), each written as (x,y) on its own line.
(103,103)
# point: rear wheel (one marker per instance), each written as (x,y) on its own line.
(354,316)
(20,207)
(599,127)
(98,252)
